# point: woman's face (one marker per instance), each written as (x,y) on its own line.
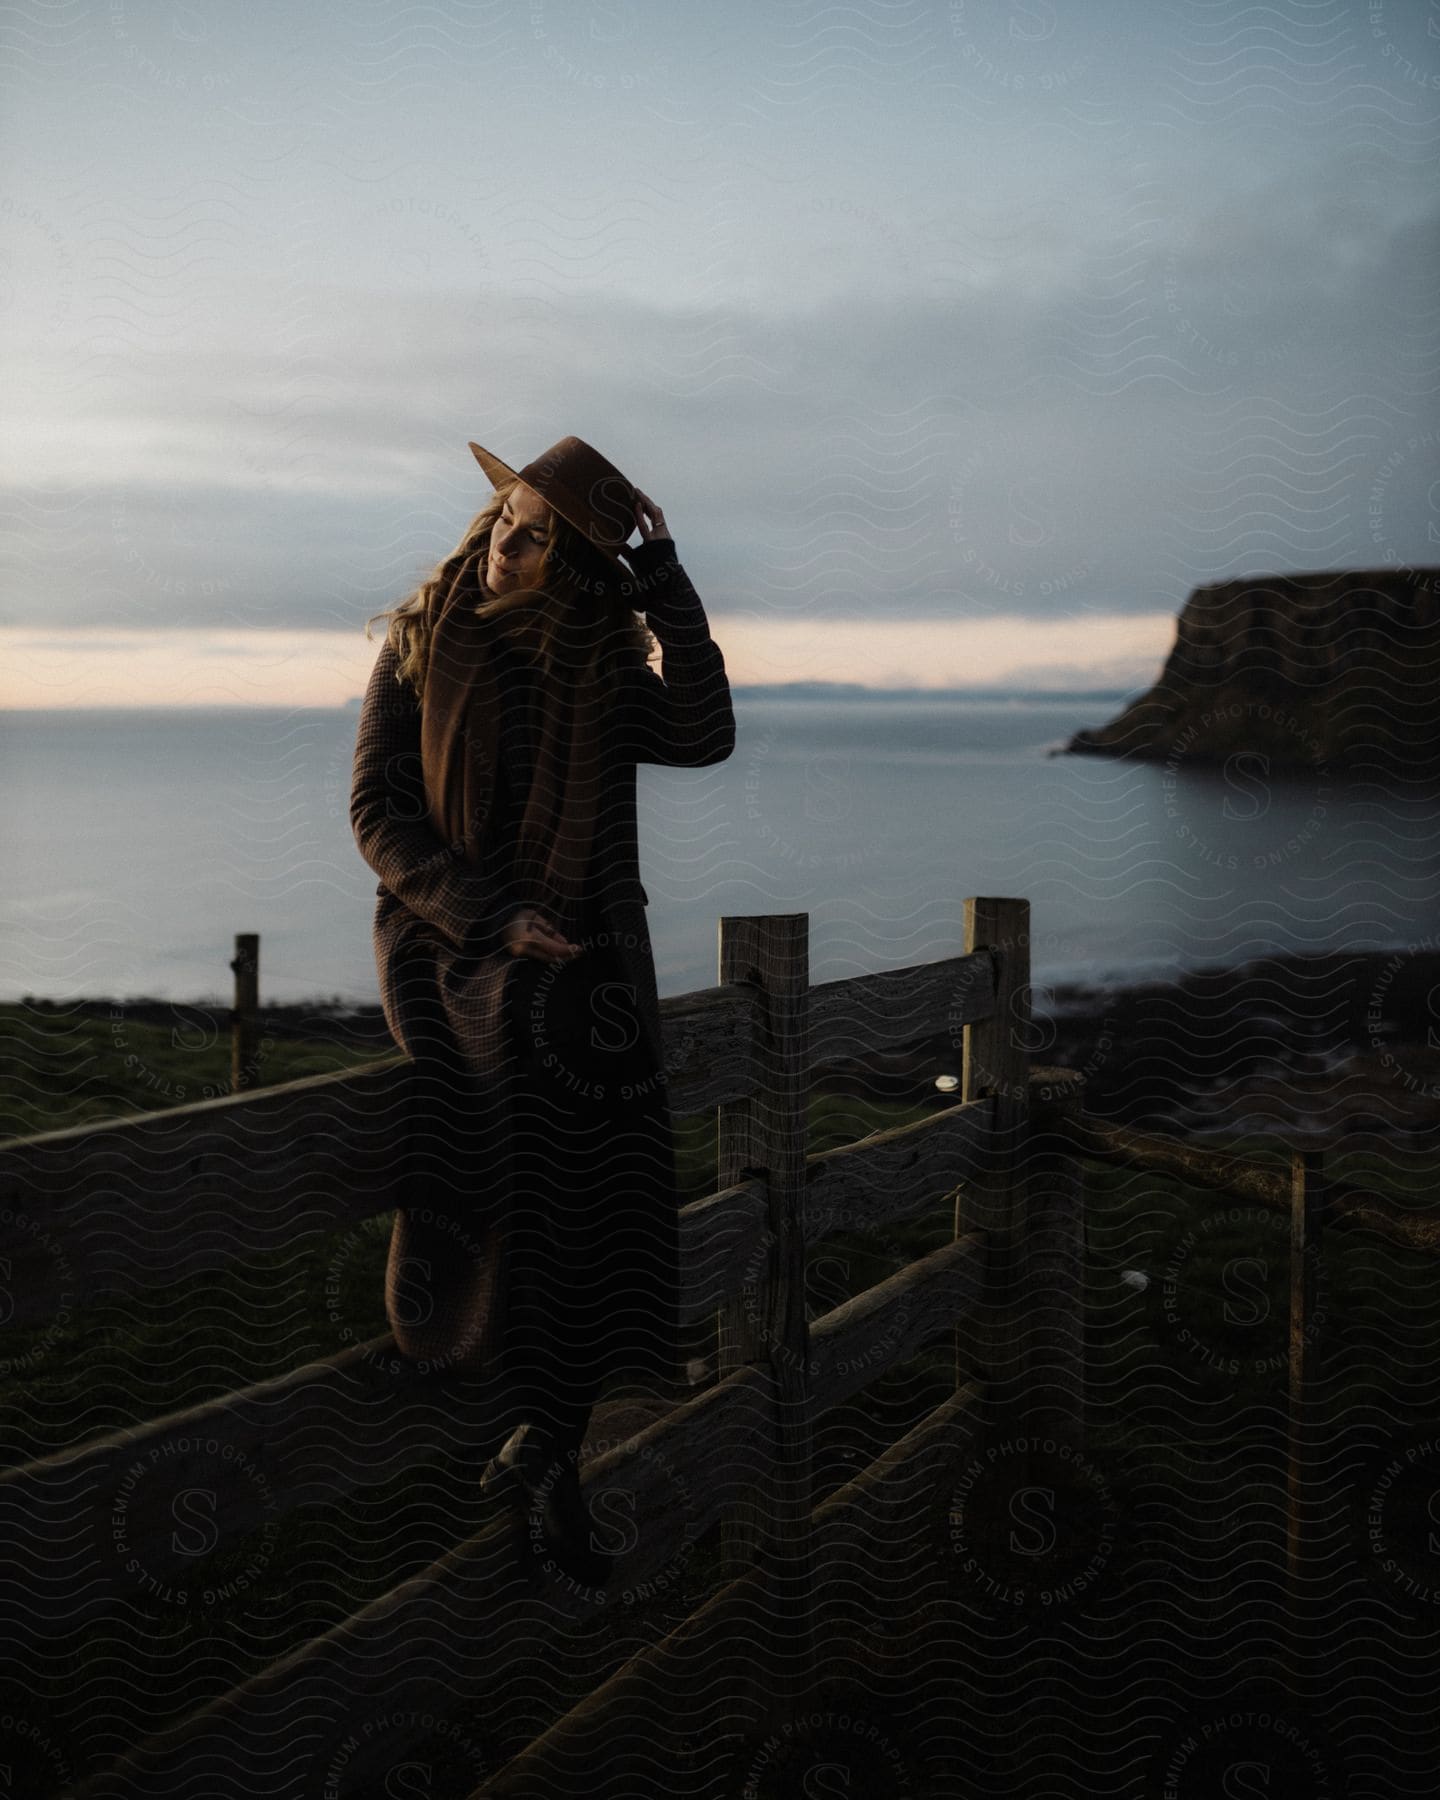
(517,541)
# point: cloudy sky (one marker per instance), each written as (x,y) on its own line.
(958,341)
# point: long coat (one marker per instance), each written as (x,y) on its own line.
(448,989)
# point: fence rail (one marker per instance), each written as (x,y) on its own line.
(122,1206)
(1209,1167)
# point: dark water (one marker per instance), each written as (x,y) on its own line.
(141,842)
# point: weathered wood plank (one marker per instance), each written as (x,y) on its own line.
(457,1630)
(96,1525)
(245,1014)
(690,1688)
(889,1176)
(106,1208)
(874,1561)
(1359,1211)
(1350,1207)
(895,1008)
(721,1246)
(707,1037)
(895,1174)
(1207,1167)
(889,1322)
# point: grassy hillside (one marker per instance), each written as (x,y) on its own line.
(70,1065)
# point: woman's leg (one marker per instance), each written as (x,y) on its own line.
(552,1150)
(592,1222)
(442,1270)
(593,1227)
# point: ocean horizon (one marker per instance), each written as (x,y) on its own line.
(779,690)
(142,840)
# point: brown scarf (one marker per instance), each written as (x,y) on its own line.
(459,735)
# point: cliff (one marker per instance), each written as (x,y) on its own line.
(1338,670)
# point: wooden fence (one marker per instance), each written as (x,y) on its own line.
(128,1205)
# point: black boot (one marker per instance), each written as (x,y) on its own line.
(517,1467)
(539,1473)
(568,1531)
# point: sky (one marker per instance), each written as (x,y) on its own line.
(959,342)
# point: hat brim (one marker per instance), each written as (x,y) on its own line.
(499,473)
(495,470)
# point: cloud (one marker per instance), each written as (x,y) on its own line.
(1212,393)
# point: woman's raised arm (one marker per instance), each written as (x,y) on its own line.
(684,717)
(390,819)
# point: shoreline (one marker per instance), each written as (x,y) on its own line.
(1337,1044)
(1074,998)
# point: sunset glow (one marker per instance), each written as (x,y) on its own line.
(130,667)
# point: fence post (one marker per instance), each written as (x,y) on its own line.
(244,1020)
(997,1062)
(1308,1180)
(766,1323)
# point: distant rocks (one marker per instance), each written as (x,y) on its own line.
(1336,671)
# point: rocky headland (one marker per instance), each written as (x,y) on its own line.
(1338,671)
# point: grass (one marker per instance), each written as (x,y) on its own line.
(61,1067)
(1182,1372)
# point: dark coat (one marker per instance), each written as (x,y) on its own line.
(448,987)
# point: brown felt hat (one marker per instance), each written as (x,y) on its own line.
(586,489)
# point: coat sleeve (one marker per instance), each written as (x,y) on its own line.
(683,717)
(389,818)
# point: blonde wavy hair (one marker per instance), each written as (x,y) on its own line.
(573,576)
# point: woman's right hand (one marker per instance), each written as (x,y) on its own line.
(531,934)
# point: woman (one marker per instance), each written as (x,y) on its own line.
(494,796)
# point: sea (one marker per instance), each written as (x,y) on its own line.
(140,842)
